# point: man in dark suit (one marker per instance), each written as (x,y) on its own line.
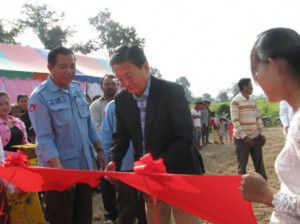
(155,115)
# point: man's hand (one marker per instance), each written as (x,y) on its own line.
(249,141)
(111,167)
(54,163)
(101,160)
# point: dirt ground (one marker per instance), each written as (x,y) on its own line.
(221,160)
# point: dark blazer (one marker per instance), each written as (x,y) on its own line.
(168,128)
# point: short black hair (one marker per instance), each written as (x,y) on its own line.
(107,76)
(243,82)
(52,56)
(128,53)
(19,97)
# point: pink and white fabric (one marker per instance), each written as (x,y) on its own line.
(5,130)
(15,87)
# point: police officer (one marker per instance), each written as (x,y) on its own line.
(61,119)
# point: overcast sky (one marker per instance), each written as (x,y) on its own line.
(209,42)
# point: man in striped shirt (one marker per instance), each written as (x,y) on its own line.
(248,128)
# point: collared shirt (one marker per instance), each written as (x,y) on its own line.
(63,125)
(286,113)
(196,115)
(108,127)
(97,110)
(205,117)
(245,117)
(142,105)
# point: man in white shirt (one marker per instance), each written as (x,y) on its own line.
(109,87)
(197,127)
(286,114)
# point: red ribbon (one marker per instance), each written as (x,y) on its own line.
(214,198)
(146,165)
(16,159)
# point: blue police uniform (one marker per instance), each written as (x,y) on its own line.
(108,127)
(63,126)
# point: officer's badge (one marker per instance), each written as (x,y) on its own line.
(32,107)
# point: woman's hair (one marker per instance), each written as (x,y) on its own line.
(277,43)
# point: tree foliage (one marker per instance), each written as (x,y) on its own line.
(224,110)
(155,72)
(235,90)
(46,24)
(207,97)
(198,99)
(184,82)
(223,96)
(85,48)
(9,35)
(112,34)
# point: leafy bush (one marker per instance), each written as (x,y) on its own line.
(223,109)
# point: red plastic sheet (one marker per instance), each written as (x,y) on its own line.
(214,198)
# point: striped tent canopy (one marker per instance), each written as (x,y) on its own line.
(26,62)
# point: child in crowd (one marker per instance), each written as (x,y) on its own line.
(226,132)
(214,126)
(230,128)
(221,130)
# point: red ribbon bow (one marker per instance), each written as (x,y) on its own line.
(16,159)
(146,165)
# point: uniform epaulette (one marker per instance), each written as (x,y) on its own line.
(40,87)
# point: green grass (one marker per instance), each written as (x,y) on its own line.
(265,107)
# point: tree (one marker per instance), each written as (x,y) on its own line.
(112,34)
(235,90)
(224,110)
(223,96)
(155,72)
(207,97)
(8,36)
(198,99)
(46,24)
(183,81)
(85,48)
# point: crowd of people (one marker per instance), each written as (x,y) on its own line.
(138,114)
(206,122)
